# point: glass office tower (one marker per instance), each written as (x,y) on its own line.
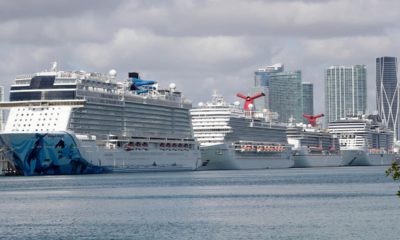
(387,92)
(308,99)
(285,95)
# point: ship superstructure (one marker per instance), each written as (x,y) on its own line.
(233,138)
(129,125)
(364,141)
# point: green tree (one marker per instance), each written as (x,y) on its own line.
(394,172)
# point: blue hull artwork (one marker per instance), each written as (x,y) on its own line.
(45,154)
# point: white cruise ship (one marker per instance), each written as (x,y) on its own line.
(313,147)
(71,122)
(231,138)
(364,141)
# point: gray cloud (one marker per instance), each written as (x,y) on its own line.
(200,45)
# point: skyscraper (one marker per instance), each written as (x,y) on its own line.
(387,92)
(261,83)
(285,95)
(345,91)
(1,111)
(308,102)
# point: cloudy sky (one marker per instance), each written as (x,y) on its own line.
(201,45)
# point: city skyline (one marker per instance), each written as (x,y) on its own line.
(198,44)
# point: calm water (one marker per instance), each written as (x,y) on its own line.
(319,203)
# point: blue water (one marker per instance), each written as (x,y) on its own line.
(318,203)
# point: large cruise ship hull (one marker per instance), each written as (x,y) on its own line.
(305,160)
(363,158)
(224,157)
(45,154)
(62,153)
(144,161)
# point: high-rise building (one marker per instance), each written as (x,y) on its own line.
(261,84)
(1,111)
(345,91)
(387,93)
(308,99)
(285,95)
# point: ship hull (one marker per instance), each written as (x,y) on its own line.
(145,161)
(62,153)
(363,158)
(305,160)
(224,157)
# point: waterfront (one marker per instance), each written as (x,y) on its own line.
(317,203)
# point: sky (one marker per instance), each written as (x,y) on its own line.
(200,45)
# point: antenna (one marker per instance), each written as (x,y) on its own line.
(54,66)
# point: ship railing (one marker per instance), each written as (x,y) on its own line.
(43,103)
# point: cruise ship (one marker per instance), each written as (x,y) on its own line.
(364,141)
(313,147)
(77,122)
(233,138)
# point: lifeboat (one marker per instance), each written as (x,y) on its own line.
(315,149)
(260,148)
(128,146)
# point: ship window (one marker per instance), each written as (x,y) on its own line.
(37,125)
